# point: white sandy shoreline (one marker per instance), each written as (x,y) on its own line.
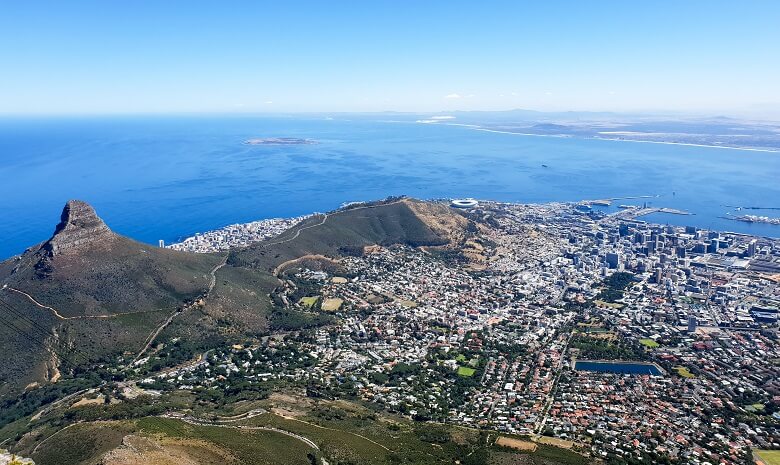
(566,136)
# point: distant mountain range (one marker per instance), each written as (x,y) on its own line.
(713,131)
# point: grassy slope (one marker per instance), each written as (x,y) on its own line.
(238,306)
(348,229)
(340,441)
(81,443)
(116,277)
(249,447)
(86,443)
(345,431)
(24,347)
(351,432)
(119,276)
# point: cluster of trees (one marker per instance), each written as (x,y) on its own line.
(615,285)
(290,320)
(128,409)
(605,349)
(12,409)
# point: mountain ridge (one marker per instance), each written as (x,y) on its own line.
(104,295)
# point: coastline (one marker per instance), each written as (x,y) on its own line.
(567,136)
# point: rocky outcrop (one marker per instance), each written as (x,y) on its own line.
(79,227)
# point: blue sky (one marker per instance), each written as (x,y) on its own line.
(129,57)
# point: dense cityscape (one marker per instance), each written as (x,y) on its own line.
(620,339)
(234,235)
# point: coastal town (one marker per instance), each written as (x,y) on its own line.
(623,340)
(234,235)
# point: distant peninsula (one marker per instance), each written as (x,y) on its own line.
(279,141)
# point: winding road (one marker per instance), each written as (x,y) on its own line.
(159,329)
(196,422)
(325,217)
(77,317)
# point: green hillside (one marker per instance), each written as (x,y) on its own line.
(89,296)
(347,231)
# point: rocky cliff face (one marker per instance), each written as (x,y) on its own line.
(79,227)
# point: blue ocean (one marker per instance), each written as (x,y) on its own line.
(168,177)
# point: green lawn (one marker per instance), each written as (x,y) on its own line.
(649,343)
(682,371)
(308,302)
(466,372)
(771,457)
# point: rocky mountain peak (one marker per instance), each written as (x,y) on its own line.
(79,227)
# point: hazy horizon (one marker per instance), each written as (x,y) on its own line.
(765,116)
(706,58)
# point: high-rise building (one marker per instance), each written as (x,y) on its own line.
(162,243)
(651,247)
(613,260)
(692,323)
(751,249)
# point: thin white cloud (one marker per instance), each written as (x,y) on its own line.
(452,96)
(268,102)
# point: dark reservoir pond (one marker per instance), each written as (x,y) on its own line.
(630,368)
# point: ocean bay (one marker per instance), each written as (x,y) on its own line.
(168,177)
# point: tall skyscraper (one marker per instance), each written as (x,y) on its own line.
(752,246)
(692,323)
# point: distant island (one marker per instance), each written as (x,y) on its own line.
(279,141)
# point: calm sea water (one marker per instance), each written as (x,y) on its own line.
(167,177)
